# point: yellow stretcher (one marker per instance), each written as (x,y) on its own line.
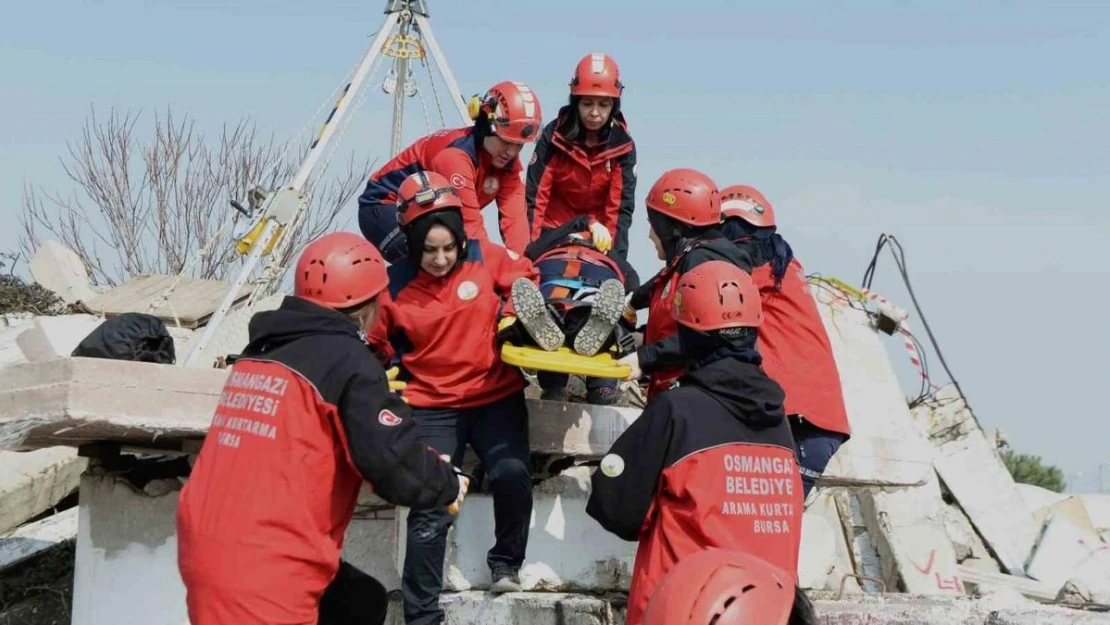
(564,360)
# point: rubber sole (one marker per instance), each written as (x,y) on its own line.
(607,310)
(531,312)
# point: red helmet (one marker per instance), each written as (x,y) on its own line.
(686,195)
(422,193)
(597,75)
(340,270)
(514,111)
(717,295)
(723,588)
(748,204)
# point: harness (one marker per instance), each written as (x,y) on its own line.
(573,288)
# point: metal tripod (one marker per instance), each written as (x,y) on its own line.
(403,36)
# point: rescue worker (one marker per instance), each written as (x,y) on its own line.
(684,210)
(728,587)
(585,162)
(441,321)
(480,161)
(579,302)
(710,463)
(792,340)
(305,416)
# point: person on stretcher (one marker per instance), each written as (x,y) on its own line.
(580,298)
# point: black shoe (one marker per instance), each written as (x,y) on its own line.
(554,394)
(505,579)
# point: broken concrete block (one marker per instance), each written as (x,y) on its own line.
(34,538)
(126,567)
(824,558)
(55,337)
(10,353)
(979,481)
(231,336)
(1036,497)
(60,269)
(34,481)
(1072,508)
(1066,551)
(907,529)
(1098,510)
(177,300)
(966,543)
(872,461)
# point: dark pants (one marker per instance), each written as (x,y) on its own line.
(353,598)
(815,447)
(554,379)
(378,223)
(498,432)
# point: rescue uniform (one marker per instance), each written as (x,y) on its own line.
(660,356)
(458,155)
(797,354)
(708,464)
(443,331)
(304,418)
(567,179)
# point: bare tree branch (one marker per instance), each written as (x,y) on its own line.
(160,203)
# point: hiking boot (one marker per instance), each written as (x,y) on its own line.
(554,394)
(531,310)
(505,579)
(604,396)
(606,311)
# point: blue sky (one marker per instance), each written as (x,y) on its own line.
(976,133)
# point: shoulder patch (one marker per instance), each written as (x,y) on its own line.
(458,181)
(513,255)
(388,419)
(612,465)
(490,185)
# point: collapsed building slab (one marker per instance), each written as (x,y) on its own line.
(177,300)
(33,482)
(34,538)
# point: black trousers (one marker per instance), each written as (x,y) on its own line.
(498,433)
(353,598)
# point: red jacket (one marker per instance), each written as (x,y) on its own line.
(708,464)
(796,350)
(457,155)
(567,179)
(305,416)
(444,330)
(660,356)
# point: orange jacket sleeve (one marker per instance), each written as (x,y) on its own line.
(457,167)
(513,211)
(507,266)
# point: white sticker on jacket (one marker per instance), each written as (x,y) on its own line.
(467,291)
(612,465)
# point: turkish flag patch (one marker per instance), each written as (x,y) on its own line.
(388,419)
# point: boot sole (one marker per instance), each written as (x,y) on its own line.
(606,311)
(531,312)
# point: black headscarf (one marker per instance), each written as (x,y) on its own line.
(417,232)
(767,246)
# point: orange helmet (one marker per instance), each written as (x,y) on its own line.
(723,588)
(514,111)
(340,270)
(686,195)
(717,295)
(748,204)
(597,75)
(422,193)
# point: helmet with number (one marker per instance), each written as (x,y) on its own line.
(422,193)
(717,295)
(597,75)
(748,204)
(686,195)
(719,587)
(340,270)
(513,110)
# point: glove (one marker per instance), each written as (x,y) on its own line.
(603,241)
(632,361)
(464,486)
(508,331)
(395,385)
(629,312)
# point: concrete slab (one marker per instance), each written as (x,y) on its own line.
(10,329)
(1072,508)
(55,337)
(874,461)
(865,556)
(34,538)
(191,301)
(58,268)
(907,529)
(1098,510)
(1036,497)
(975,475)
(31,482)
(231,336)
(824,558)
(1065,551)
(967,544)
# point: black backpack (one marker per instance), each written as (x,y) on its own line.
(130,336)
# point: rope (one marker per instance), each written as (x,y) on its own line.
(435,93)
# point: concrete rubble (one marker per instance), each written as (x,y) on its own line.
(915,521)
